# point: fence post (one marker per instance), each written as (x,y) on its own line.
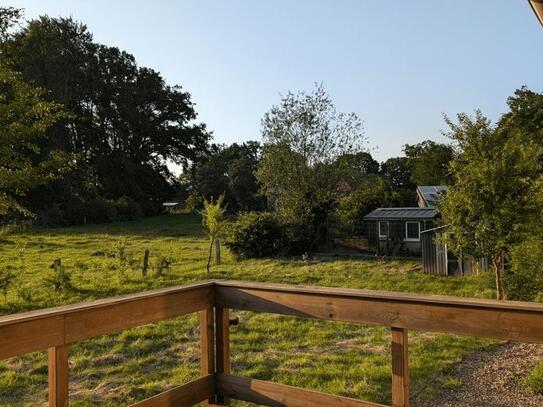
(400,368)
(58,376)
(222,340)
(207,346)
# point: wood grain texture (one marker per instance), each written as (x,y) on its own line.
(492,319)
(279,395)
(58,376)
(222,347)
(182,396)
(207,346)
(400,368)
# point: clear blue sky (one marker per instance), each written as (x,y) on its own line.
(398,64)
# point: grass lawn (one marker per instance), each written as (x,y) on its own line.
(117,370)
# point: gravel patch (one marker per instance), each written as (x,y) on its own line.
(492,378)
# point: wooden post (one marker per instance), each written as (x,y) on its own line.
(145,262)
(400,368)
(207,346)
(222,340)
(217,251)
(58,376)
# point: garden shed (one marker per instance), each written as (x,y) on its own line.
(437,259)
(397,231)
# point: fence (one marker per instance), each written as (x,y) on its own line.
(56,328)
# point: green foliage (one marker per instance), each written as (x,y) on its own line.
(428,162)
(61,279)
(212,219)
(228,171)
(497,181)
(524,281)
(373,194)
(300,171)
(126,123)
(256,235)
(25,117)
(534,380)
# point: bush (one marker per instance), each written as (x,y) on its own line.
(100,211)
(256,235)
(127,209)
(525,279)
(534,379)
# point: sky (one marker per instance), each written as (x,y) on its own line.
(399,65)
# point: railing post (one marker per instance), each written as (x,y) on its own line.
(58,376)
(222,340)
(400,368)
(207,346)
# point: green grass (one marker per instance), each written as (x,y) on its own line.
(116,370)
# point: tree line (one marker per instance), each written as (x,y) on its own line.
(86,132)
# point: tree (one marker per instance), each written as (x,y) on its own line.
(25,118)
(395,172)
(428,162)
(303,138)
(372,194)
(493,199)
(125,125)
(212,220)
(229,171)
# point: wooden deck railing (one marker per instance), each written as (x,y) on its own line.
(56,328)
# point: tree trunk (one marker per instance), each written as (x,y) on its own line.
(497,264)
(217,251)
(209,254)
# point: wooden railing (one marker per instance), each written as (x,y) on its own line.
(56,328)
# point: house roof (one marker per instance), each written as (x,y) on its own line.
(430,193)
(402,214)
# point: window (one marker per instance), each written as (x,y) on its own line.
(412,231)
(383,229)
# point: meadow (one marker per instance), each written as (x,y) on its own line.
(105,260)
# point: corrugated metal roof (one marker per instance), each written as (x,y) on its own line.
(402,213)
(430,193)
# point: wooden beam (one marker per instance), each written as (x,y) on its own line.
(38,330)
(400,368)
(279,395)
(128,314)
(182,396)
(58,376)
(486,318)
(222,341)
(207,346)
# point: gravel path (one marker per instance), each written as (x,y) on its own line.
(492,379)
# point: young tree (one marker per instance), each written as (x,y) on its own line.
(492,201)
(25,116)
(303,137)
(212,215)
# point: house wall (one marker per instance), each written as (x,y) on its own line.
(395,244)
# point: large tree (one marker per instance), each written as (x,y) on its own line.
(492,203)
(125,125)
(303,137)
(428,162)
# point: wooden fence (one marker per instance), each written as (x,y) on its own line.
(56,328)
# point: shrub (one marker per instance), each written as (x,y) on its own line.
(127,209)
(524,281)
(534,379)
(256,235)
(100,211)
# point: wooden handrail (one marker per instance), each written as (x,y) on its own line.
(56,328)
